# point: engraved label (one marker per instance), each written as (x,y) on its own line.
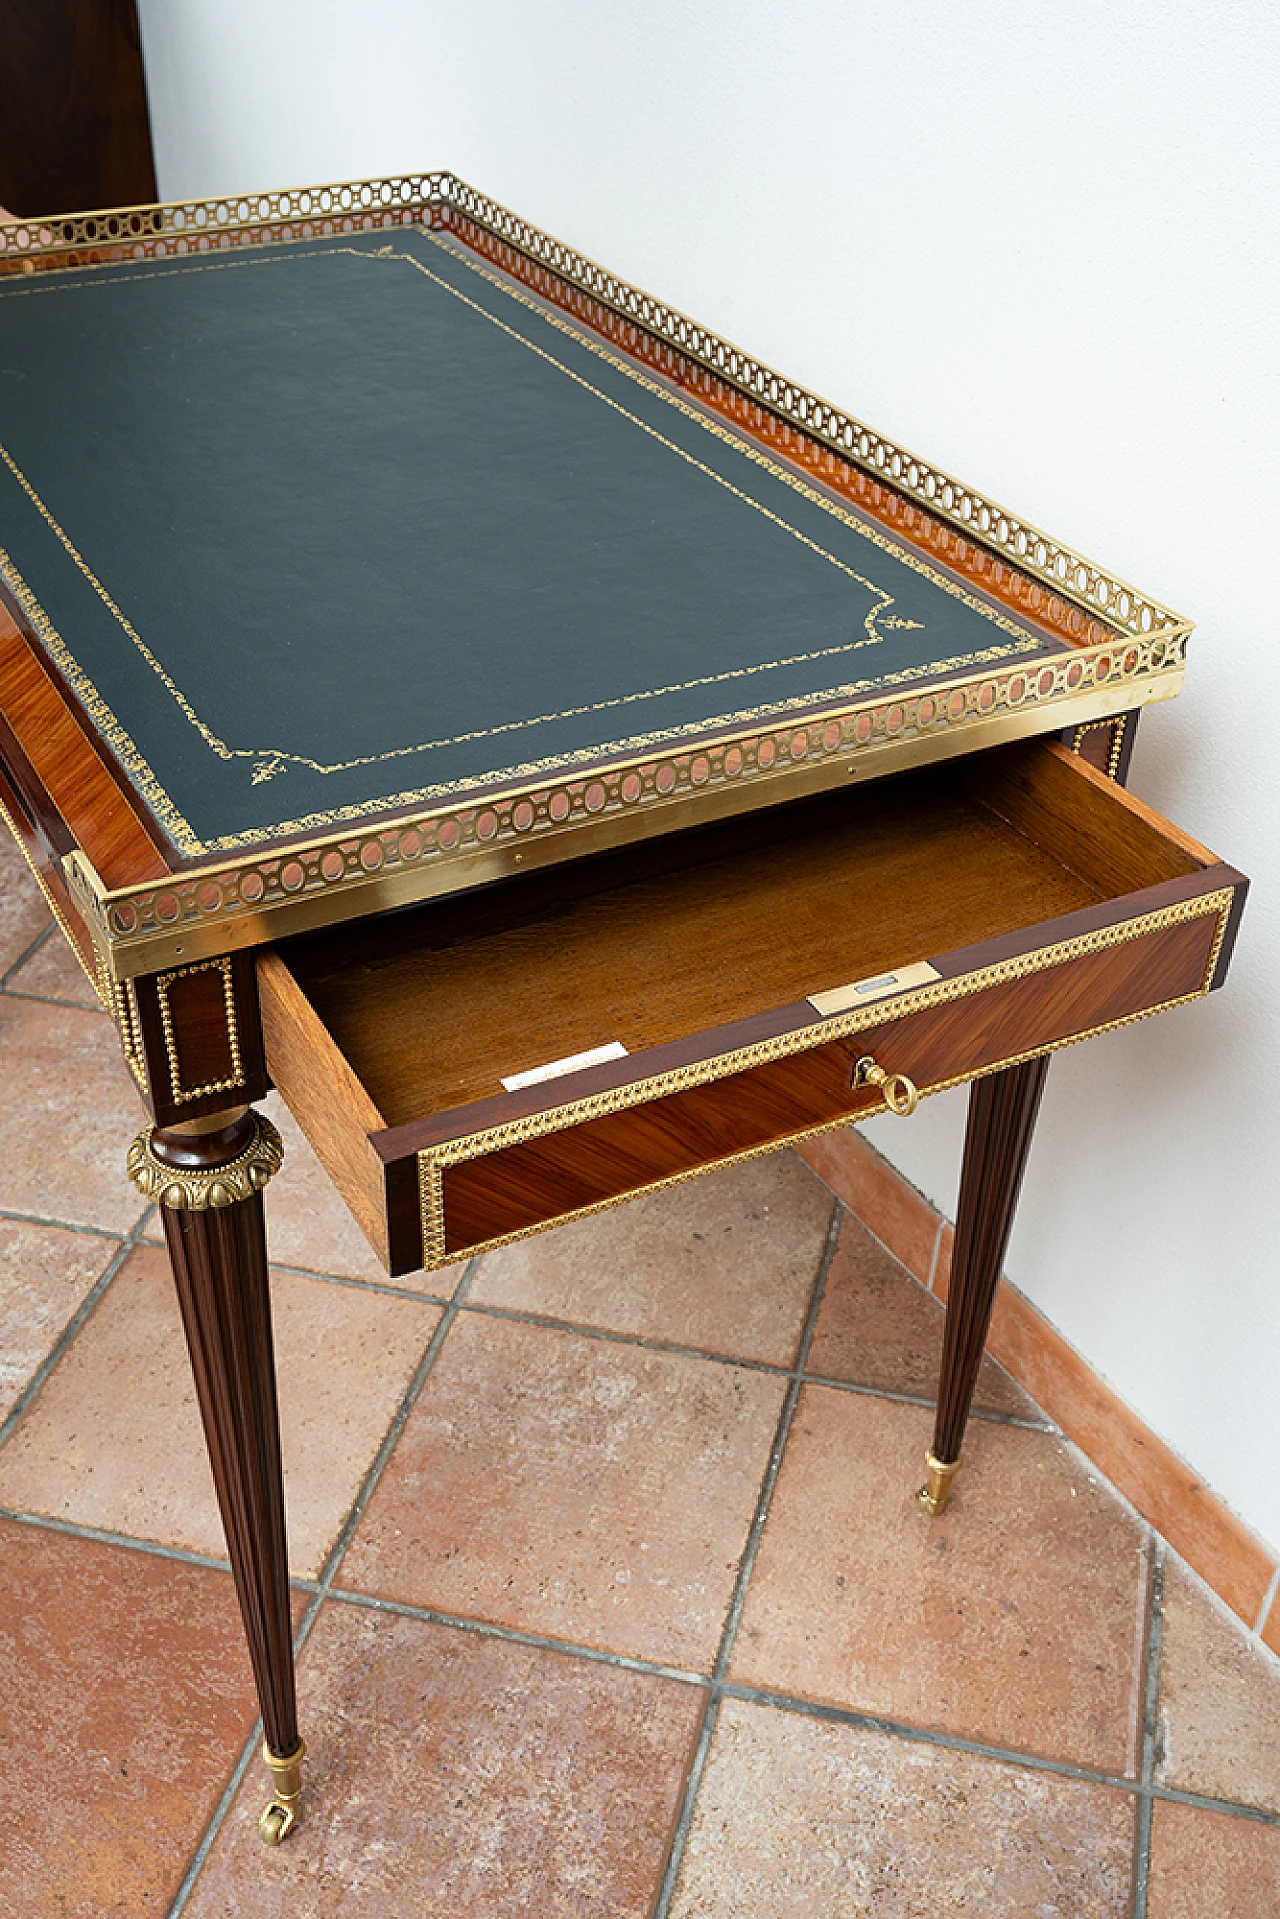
(557,1068)
(861,992)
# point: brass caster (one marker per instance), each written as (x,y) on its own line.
(276,1823)
(280,1815)
(933,1495)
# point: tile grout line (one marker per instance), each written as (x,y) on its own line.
(1006,1284)
(610,1336)
(693,1785)
(774,1466)
(517,1635)
(989,1414)
(1268,1601)
(647,1344)
(126,1246)
(805,1708)
(75,1226)
(385,1287)
(783,1702)
(933,1259)
(956,1742)
(746,1565)
(102,1536)
(1150,1730)
(249,1752)
(132,1543)
(28,952)
(52,999)
(1144,1790)
(521,1317)
(329,1569)
(351,1280)
(368,1485)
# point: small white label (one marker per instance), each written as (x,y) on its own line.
(879,986)
(557,1068)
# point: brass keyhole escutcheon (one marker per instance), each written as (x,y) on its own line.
(900,1094)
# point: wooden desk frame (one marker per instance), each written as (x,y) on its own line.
(169,944)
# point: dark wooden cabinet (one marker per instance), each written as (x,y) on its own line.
(74,129)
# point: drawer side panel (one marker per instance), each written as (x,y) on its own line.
(324,1096)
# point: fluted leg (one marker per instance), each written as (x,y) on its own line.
(1002,1117)
(208,1178)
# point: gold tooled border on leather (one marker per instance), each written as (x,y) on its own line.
(434,1161)
(268,760)
(179,228)
(341,874)
(142,929)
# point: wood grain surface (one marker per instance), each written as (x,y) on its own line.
(393,1037)
(325,1097)
(201,1039)
(709,930)
(219,1260)
(71,782)
(997,1141)
(529,1184)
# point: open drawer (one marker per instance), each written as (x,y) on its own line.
(942,923)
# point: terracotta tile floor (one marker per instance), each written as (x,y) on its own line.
(635,1618)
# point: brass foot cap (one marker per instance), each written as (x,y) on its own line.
(280,1814)
(933,1495)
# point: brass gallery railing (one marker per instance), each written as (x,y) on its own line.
(187,226)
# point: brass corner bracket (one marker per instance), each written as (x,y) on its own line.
(189,1189)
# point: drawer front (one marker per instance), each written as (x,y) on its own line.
(497,1183)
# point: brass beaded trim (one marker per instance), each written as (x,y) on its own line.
(52,904)
(1119,727)
(126,1015)
(236,1080)
(113,998)
(185,1190)
(433,1161)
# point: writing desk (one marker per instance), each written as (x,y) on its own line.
(558,752)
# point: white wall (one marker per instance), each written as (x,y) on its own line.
(1043,251)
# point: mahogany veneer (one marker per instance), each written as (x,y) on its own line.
(970,914)
(391,1038)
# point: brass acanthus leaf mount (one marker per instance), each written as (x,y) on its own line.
(186,1189)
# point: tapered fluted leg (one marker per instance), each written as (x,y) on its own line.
(208,1178)
(1002,1117)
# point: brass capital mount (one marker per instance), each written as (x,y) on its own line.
(191,1189)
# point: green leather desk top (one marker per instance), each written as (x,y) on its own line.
(323,529)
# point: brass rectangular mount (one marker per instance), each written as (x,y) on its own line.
(862,992)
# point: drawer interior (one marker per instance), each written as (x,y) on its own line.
(434,1006)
